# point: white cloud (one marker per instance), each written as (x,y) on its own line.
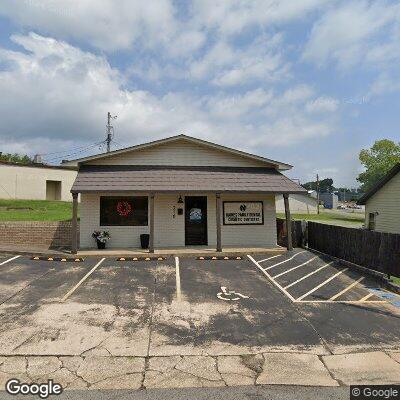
(225,65)
(322,104)
(348,34)
(106,24)
(299,93)
(111,25)
(228,107)
(233,16)
(58,94)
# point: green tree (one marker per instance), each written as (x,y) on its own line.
(325,185)
(16,158)
(377,161)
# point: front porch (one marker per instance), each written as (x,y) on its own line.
(214,208)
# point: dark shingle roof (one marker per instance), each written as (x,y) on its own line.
(124,178)
(393,172)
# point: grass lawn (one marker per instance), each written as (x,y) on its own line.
(333,217)
(395,280)
(35,210)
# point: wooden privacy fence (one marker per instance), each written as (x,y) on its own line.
(298,232)
(373,250)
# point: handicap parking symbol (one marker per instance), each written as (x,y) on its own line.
(230,295)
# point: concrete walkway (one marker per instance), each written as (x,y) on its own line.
(181,251)
(138,252)
(97,371)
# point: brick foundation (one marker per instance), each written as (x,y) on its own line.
(36,234)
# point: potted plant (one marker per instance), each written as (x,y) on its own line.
(101,238)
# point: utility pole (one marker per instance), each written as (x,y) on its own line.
(110,131)
(317,194)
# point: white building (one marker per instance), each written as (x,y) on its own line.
(299,204)
(36,181)
(382,203)
(181,191)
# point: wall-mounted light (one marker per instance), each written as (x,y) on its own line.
(180,201)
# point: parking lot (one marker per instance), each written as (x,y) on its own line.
(191,306)
(308,278)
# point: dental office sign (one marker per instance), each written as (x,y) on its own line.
(243,213)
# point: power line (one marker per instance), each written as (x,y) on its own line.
(74,153)
(70,154)
(119,144)
(69,150)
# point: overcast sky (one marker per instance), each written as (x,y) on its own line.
(307,82)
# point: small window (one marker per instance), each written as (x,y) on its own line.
(123,211)
(371,221)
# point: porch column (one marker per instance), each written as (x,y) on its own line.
(74,244)
(288,222)
(218,217)
(151,223)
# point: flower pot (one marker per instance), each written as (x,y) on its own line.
(101,245)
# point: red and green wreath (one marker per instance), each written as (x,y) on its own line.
(124,208)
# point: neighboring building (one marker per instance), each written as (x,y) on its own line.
(329,200)
(382,203)
(349,196)
(299,203)
(35,181)
(312,193)
(183,192)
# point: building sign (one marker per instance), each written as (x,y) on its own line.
(243,213)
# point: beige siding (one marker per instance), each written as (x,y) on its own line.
(298,203)
(387,203)
(121,236)
(179,153)
(252,235)
(170,231)
(29,183)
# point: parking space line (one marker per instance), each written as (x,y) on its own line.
(308,275)
(321,284)
(10,259)
(341,301)
(270,278)
(178,279)
(269,258)
(292,269)
(82,280)
(365,298)
(346,289)
(282,262)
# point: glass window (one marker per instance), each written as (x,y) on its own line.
(123,211)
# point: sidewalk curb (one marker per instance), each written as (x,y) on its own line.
(31,253)
(171,253)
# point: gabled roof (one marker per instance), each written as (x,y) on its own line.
(174,179)
(279,165)
(392,173)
